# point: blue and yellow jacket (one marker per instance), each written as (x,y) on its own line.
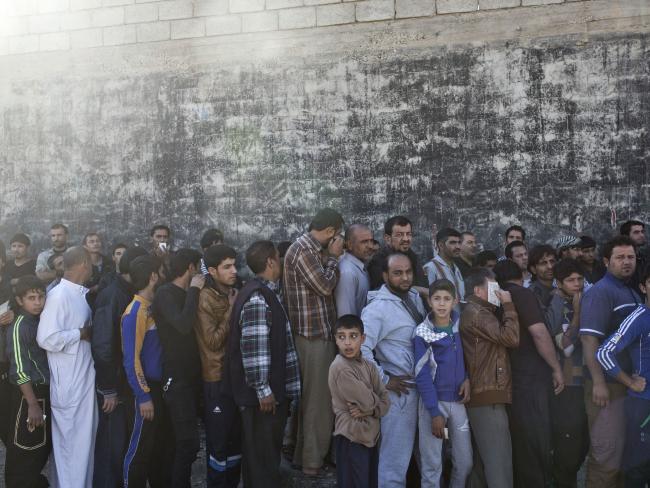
(28,362)
(141,348)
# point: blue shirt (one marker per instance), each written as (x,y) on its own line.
(634,332)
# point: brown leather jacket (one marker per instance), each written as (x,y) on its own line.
(212,329)
(485,343)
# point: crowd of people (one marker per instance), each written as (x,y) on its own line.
(360,361)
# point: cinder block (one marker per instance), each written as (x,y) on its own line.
(273,4)
(454,6)
(39,24)
(321,2)
(227,24)
(206,8)
(81,19)
(414,8)
(342,13)
(372,10)
(105,17)
(21,7)
(85,4)
(237,6)
(15,26)
(147,12)
(23,44)
(174,10)
(494,4)
(527,3)
(56,41)
(184,29)
(153,31)
(297,18)
(260,21)
(86,38)
(115,3)
(120,34)
(4,46)
(48,6)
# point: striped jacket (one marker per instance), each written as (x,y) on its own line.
(28,362)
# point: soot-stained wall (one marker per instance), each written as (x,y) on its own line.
(552,134)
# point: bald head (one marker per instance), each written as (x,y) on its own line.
(77,265)
(358,241)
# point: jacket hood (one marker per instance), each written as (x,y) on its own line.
(385,294)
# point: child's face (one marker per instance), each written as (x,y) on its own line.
(572,284)
(32,302)
(349,342)
(442,303)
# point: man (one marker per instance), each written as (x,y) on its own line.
(390,318)
(55,263)
(515,233)
(517,251)
(221,416)
(535,369)
(635,230)
(443,264)
(468,248)
(264,376)
(64,332)
(486,340)
(110,276)
(592,266)
(602,309)
(160,240)
(211,237)
(21,264)
(486,259)
(310,277)
(398,237)
(102,265)
(111,385)
(568,247)
(174,310)
(352,289)
(59,238)
(541,260)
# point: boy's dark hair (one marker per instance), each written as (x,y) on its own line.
(60,226)
(516,227)
(384,263)
(283,247)
(537,253)
(477,277)
(21,239)
(446,233)
(565,268)
(90,234)
(117,246)
(129,255)
(26,284)
(507,270)
(325,218)
(258,253)
(586,242)
(511,246)
(160,227)
(618,241)
(484,256)
(181,261)
(442,285)
(349,321)
(211,237)
(626,227)
(217,254)
(141,268)
(399,220)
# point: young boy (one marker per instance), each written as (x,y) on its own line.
(359,400)
(29,440)
(443,386)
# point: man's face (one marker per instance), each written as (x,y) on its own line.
(490,264)
(360,244)
(544,268)
(32,302)
(400,274)
(520,256)
(645,289)
(468,246)
(88,269)
(572,284)
(442,303)
(59,238)
(160,236)
(573,252)
(637,234)
(117,256)
(18,250)
(93,244)
(400,239)
(225,273)
(276,266)
(622,263)
(588,256)
(450,248)
(514,235)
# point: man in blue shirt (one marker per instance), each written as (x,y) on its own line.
(602,309)
(634,336)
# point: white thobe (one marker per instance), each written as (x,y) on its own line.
(72,384)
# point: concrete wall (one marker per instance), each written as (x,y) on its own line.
(250,114)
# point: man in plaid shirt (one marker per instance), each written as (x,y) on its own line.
(310,277)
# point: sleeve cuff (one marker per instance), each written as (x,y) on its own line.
(264,391)
(434,412)
(144,398)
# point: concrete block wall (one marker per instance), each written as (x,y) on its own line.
(55,25)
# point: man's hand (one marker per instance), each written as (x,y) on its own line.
(85,333)
(7,318)
(503,296)
(600,394)
(464,391)
(198,281)
(398,384)
(576,303)
(558,381)
(34,416)
(637,383)
(335,247)
(267,404)
(232,296)
(438,426)
(110,403)
(146,410)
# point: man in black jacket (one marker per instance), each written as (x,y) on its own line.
(175,312)
(111,439)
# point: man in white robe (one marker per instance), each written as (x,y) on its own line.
(64,332)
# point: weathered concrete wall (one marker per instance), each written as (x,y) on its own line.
(538,115)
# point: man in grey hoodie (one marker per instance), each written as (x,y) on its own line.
(390,318)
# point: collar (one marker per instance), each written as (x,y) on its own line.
(439,259)
(614,280)
(82,290)
(274,286)
(354,260)
(142,299)
(312,242)
(357,359)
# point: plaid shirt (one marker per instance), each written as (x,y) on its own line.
(256,346)
(309,288)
